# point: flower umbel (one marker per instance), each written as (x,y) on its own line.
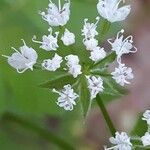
(24,59)
(109,10)
(67,97)
(92,66)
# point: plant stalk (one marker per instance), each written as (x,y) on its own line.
(105,115)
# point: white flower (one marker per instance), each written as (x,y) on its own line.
(122,46)
(52,64)
(95,85)
(121,142)
(23,59)
(122,74)
(57,16)
(90,43)
(49,43)
(68,38)
(109,10)
(67,97)
(73,65)
(72,59)
(146,116)
(146,139)
(97,54)
(89,29)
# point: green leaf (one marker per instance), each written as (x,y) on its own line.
(105,27)
(140,127)
(58,82)
(84,96)
(112,90)
(104,62)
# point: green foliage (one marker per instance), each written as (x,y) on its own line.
(140,127)
(59,81)
(84,96)
(104,62)
(19,92)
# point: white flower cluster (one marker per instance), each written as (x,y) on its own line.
(67,97)
(58,16)
(122,140)
(95,85)
(122,46)
(89,32)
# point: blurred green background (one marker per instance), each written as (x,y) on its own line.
(19,93)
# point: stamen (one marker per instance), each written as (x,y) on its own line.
(97,18)
(55,91)
(109,41)
(21,71)
(85,21)
(135,50)
(15,50)
(105,148)
(56,33)
(50,30)
(120,32)
(5,56)
(119,2)
(59,5)
(34,40)
(24,42)
(129,38)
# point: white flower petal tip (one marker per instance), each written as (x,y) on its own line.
(109,9)
(122,46)
(48,43)
(97,54)
(68,38)
(122,74)
(24,59)
(67,98)
(146,139)
(146,116)
(121,142)
(73,65)
(57,15)
(52,64)
(89,29)
(95,85)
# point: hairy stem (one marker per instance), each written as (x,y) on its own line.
(46,134)
(105,115)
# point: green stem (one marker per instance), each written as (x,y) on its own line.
(105,115)
(49,136)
